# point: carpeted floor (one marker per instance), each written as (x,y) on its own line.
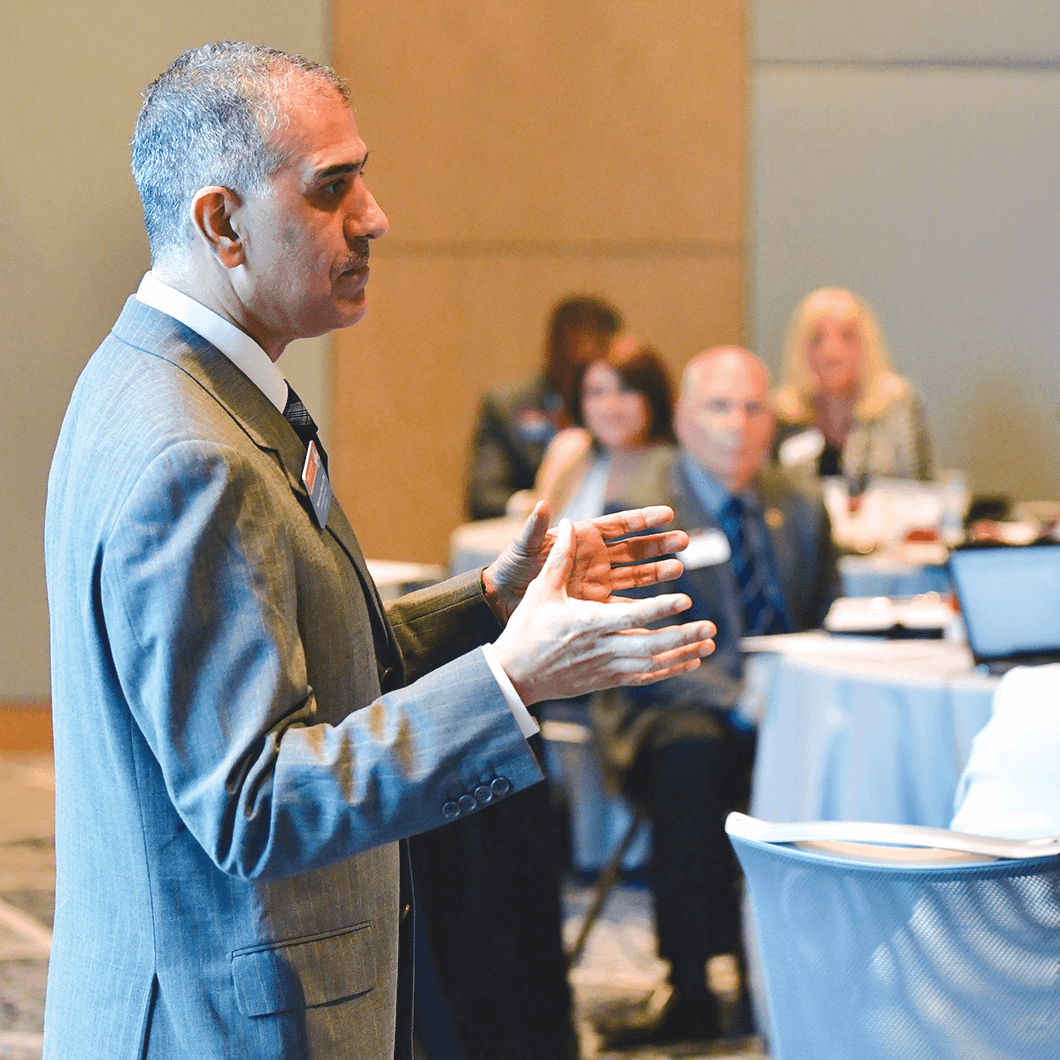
(618,973)
(27,876)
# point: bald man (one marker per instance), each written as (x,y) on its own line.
(760,560)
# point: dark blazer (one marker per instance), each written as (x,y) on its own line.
(512,433)
(235,754)
(806,567)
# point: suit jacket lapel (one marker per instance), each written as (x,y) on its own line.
(784,555)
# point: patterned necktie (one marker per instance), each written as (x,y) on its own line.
(297,415)
(760,613)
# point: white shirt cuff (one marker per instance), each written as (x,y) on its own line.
(523,718)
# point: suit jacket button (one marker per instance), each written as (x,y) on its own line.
(483,794)
(500,786)
(467,803)
(405,910)
(450,811)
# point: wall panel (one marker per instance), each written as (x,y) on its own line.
(843,31)
(524,150)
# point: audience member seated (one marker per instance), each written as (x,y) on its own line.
(761,560)
(622,405)
(515,425)
(1011,785)
(841,406)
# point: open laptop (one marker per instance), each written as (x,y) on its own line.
(1009,597)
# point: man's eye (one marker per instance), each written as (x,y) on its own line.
(336,187)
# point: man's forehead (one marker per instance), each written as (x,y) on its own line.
(728,376)
(320,132)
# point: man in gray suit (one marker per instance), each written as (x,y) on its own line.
(242,733)
(760,560)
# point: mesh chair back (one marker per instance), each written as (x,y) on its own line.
(866,961)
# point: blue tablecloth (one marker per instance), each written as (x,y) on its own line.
(864,730)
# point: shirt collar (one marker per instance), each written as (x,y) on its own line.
(236,345)
(709,492)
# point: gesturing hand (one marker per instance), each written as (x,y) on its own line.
(556,645)
(594,574)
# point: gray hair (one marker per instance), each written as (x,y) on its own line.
(211,119)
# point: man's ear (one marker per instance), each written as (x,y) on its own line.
(213,215)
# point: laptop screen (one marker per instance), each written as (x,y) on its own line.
(1009,598)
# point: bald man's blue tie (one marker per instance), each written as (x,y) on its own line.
(760,614)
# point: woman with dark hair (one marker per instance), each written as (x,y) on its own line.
(622,406)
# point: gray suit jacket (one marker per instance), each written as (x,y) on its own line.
(235,754)
(806,567)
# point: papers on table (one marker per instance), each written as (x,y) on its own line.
(925,613)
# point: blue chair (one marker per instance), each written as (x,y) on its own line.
(895,942)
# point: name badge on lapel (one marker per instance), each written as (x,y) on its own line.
(316,481)
(706,548)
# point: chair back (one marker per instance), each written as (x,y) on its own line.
(904,952)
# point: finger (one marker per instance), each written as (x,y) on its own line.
(642,679)
(633,614)
(532,535)
(557,566)
(663,570)
(636,549)
(698,649)
(633,520)
(662,647)
(634,669)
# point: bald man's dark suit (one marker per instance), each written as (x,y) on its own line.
(674,746)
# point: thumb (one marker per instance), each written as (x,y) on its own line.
(532,535)
(560,561)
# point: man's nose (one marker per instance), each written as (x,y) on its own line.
(737,420)
(368,219)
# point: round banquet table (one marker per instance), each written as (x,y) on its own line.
(860,729)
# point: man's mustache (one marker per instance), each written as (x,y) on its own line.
(359,258)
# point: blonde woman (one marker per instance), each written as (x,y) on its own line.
(841,406)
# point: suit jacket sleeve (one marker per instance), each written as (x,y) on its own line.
(199,586)
(437,625)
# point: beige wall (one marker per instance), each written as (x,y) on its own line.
(72,246)
(524,149)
